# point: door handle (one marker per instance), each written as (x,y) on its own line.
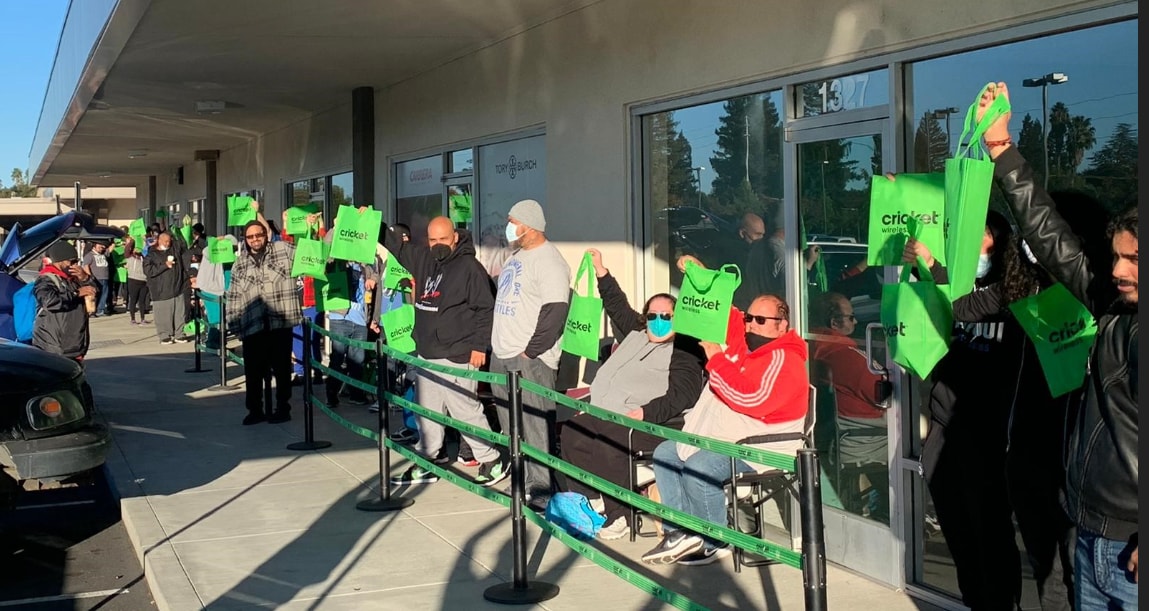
(870,348)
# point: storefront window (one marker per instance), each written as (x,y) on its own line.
(342,194)
(707,167)
(419,194)
(508,172)
(1092,125)
(462,161)
(844,93)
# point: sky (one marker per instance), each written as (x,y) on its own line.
(31,33)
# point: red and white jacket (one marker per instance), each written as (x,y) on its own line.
(770,384)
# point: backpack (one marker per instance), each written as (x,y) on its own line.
(572,512)
(24,308)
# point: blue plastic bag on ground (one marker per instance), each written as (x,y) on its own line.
(572,512)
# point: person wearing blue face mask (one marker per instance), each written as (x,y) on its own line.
(654,375)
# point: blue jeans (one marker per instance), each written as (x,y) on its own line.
(1101,580)
(344,358)
(693,486)
(297,341)
(103,298)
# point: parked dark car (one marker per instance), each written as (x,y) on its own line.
(46,426)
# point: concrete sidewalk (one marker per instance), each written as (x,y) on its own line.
(224,517)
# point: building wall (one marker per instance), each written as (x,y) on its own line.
(579,74)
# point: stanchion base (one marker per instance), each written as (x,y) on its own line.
(394,503)
(508,594)
(309,445)
(222,387)
(195,370)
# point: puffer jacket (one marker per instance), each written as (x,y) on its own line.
(1101,461)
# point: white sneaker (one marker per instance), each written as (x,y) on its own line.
(615,530)
(597,505)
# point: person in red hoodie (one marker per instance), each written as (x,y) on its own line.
(861,396)
(61,325)
(758,386)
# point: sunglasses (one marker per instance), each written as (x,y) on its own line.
(658,315)
(748,318)
(255,236)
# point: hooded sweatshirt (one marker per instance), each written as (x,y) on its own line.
(61,325)
(164,282)
(454,300)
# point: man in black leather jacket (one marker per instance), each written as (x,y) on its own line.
(1101,463)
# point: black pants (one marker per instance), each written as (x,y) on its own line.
(139,299)
(966,479)
(267,352)
(600,447)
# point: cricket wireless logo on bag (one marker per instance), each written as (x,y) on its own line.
(701,304)
(1065,337)
(574,325)
(311,260)
(513,166)
(358,235)
(898,329)
(401,331)
(896,223)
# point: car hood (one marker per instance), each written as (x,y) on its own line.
(23,367)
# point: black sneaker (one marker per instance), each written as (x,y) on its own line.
(254,418)
(183,339)
(706,555)
(404,436)
(167,341)
(414,475)
(441,458)
(491,473)
(674,546)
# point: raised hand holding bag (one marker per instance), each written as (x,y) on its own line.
(703,306)
(356,234)
(584,318)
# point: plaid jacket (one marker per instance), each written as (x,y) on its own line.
(263,296)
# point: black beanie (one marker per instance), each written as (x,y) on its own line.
(61,251)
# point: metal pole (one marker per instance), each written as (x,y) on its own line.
(519,591)
(813,534)
(196,308)
(222,386)
(309,442)
(1045,129)
(385,502)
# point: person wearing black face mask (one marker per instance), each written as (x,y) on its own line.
(454,306)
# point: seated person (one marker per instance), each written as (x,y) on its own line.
(859,394)
(758,386)
(654,375)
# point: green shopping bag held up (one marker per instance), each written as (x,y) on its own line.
(398,324)
(310,259)
(356,234)
(917,316)
(239,211)
(394,274)
(220,251)
(968,180)
(296,223)
(333,290)
(1062,332)
(138,231)
(703,307)
(584,319)
(893,203)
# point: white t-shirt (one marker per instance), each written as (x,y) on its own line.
(529,279)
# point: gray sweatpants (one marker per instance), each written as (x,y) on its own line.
(455,397)
(169,317)
(538,416)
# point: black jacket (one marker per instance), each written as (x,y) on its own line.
(454,303)
(687,375)
(1101,465)
(163,282)
(61,325)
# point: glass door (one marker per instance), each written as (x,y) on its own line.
(858,410)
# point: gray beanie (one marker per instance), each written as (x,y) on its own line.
(529,213)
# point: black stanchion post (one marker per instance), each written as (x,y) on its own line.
(309,442)
(519,591)
(197,308)
(813,535)
(223,385)
(385,502)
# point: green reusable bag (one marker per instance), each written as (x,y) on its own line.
(703,307)
(460,210)
(892,203)
(356,234)
(220,251)
(333,290)
(138,231)
(189,328)
(584,318)
(296,223)
(398,325)
(239,212)
(394,273)
(918,320)
(310,259)
(1062,332)
(968,180)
